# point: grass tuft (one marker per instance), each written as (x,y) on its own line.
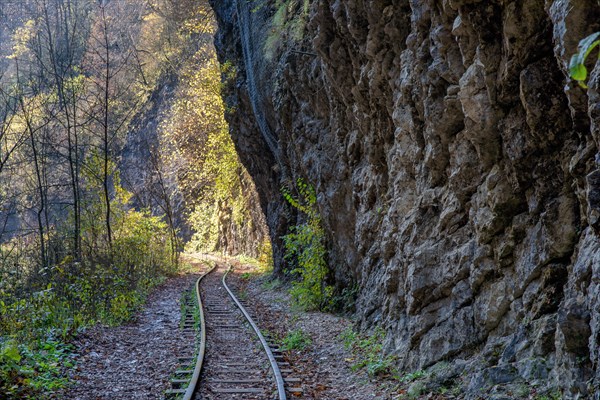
(296,340)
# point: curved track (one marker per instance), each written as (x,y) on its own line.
(189,393)
(263,341)
(185,376)
(234,359)
(230,363)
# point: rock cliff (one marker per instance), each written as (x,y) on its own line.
(148,172)
(455,166)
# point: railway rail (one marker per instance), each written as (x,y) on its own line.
(235,360)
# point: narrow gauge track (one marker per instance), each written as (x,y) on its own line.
(234,360)
(237,364)
(189,374)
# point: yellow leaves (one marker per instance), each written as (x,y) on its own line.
(196,131)
(22,37)
(196,145)
(193,26)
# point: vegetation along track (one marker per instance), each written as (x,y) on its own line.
(234,359)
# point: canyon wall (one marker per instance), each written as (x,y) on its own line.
(159,177)
(455,167)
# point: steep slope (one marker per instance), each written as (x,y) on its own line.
(179,161)
(454,166)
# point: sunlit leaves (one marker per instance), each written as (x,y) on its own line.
(287,24)
(21,39)
(577,68)
(67,72)
(197,147)
(10,353)
(196,133)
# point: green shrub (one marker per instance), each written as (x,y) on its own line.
(35,368)
(45,307)
(368,352)
(10,359)
(305,246)
(345,300)
(296,340)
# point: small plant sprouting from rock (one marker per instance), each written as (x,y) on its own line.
(577,68)
(305,247)
(296,340)
(368,352)
(412,376)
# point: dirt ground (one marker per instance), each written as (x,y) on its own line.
(136,360)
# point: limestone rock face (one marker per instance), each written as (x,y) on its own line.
(454,163)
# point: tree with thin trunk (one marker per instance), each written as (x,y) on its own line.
(26,105)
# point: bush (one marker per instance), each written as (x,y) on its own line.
(305,246)
(35,368)
(44,307)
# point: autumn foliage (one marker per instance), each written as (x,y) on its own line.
(75,248)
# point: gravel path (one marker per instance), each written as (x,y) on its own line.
(136,360)
(325,368)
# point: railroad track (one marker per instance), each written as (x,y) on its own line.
(234,359)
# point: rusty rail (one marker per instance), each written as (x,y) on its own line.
(273,362)
(189,393)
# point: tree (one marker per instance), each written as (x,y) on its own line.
(29,107)
(62,38)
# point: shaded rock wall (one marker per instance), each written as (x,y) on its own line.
(455,169)
(250,237)
(140,161)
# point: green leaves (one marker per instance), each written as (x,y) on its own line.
(296,340)
(577,69)
(305,246)
(34,370)
(368,352)
(308,198)
(10,353)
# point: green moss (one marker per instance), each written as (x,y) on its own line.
(287,26)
